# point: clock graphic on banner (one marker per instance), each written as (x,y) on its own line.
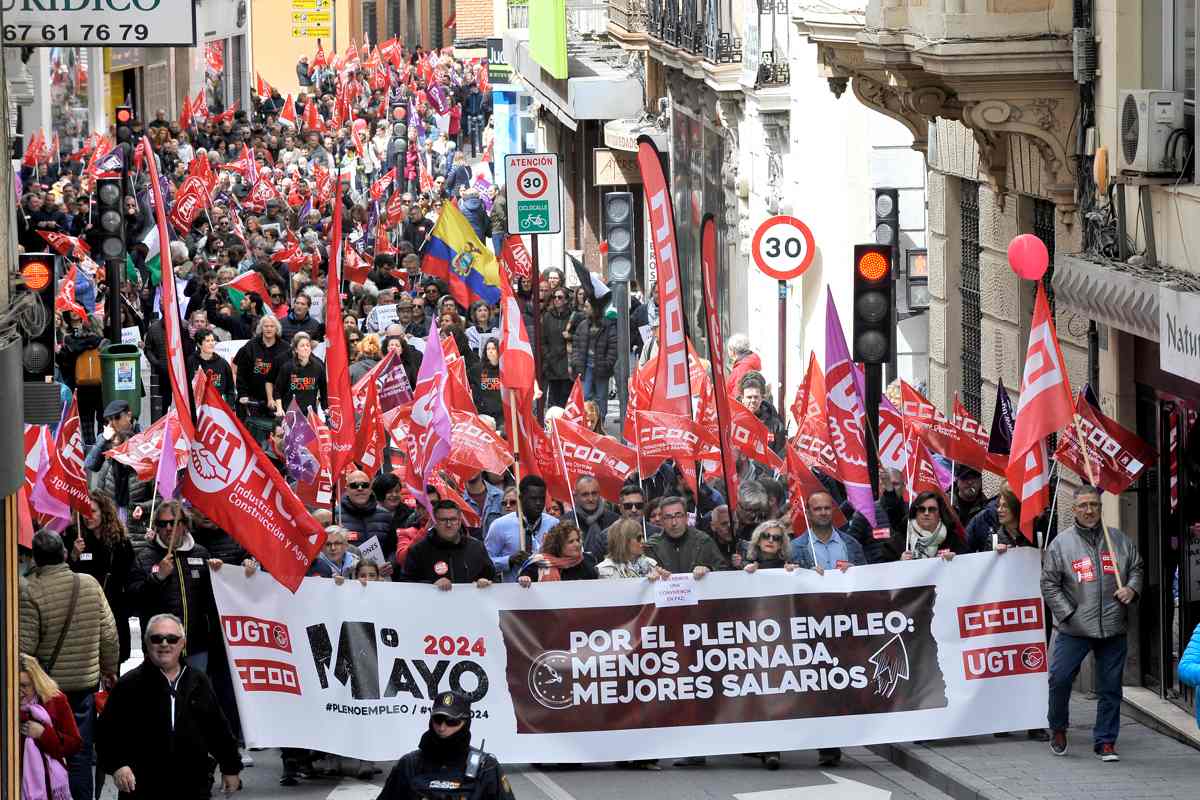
(550,680)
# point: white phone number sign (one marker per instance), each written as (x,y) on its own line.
(101,23)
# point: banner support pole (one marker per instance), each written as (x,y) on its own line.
(1091,476)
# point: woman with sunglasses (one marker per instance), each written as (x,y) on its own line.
(928,535)
(556,375)
(439,766)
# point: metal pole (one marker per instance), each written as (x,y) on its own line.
(874,387)
(620,297)
(114,269)
(536,276)
(780,400)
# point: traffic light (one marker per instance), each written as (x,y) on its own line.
(37,319)
(124,118)
(618,232)
(887,217)
(110,215)
(874,303)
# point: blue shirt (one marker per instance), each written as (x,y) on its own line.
(504,538)
(493,496)
(804,547)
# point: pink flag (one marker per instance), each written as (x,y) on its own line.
(846,415)
(432,429)
(167,476)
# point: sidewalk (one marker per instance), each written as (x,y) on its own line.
(1152,767)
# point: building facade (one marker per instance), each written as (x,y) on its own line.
(1020,108)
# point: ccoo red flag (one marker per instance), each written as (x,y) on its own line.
(574,411)
(476,447)
(337,361)
(1114,458)
(585,452)
(516,354)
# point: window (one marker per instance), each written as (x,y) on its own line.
(972,380)
(1043,228)
(1169,46)
(1183,47)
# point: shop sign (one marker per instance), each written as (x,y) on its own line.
(98,23)
(499,70)
(1179,333)
(616,167)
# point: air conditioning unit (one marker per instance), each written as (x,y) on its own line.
(1148,118)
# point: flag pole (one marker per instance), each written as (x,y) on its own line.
(1091,476)
(514,435)
(637,452)
(562,462)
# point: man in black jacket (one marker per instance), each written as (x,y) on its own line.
(362,516)
(161,723)
(298,320)
(752,393)
(447,555)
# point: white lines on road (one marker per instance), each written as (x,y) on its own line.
(840,789)
(551,789)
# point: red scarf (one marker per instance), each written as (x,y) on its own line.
(549,567)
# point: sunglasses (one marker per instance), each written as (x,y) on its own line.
(509,503)
(772,537)
(449,722)
(928,510)
(165,638)
(164,523)
(357,485)
(633,506)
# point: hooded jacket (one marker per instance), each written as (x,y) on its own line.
(254,363)
(1079,588)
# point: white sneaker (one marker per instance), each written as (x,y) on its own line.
(247,759)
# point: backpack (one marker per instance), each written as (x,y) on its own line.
(87,368)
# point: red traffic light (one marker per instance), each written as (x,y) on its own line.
(37,274)
(124,115)
(872,264)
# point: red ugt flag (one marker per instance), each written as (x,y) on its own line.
(235,485)
(65,478)
(1045,407)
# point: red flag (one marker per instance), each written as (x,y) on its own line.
(476,447)
(185,116)
(812,439)
(142,451)
(337,361)
(1045,407)
(534,450)
(929,422)
(725,416)
(319,59)
(200,107)
(394,211)
(262,191)
(65,299)
(356,267)
(288,112)
(574,412)
(1115,456)
(232,482)
(33,153)
(972,443)
(385,182)
(662,435)
(671,390)
(227,114)
(176,367)
(383,245)
(802,484)
(458,388)
(66,246)
(516,354)
(312,119)
(750,436)
(214,56)
(585,452)
(892,454)
(514,259)
(447,492)
(190,200)
(370,437)
(261,87)
(65,479)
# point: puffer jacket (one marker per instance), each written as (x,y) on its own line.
(1189,666)
(605,334)
(186,592)
(1077,588)
(555,358)
(367,521)
(90,646)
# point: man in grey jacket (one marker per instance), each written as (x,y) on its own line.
(1080,575)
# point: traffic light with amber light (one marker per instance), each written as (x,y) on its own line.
(124,120)
(874,303)
(37,318)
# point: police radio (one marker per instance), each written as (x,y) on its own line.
(474,761)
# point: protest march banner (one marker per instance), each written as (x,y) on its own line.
(596,671)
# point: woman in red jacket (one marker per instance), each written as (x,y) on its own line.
(48,735)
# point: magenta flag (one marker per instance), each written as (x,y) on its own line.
(432,429)
(847,415)
(168,468)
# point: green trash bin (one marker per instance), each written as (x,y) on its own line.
(121,375)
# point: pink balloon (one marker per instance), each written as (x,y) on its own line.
(1028,257)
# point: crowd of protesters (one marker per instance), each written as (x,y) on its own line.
(138,556)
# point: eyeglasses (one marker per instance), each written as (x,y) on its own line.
(164,523)
(448,722)
(446,520)
(633,506)
(772,537)
(358,485)
(679,515)
(928,510)
(165,638)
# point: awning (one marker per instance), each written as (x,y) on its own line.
(597,85)
(622,134)
(1122,296)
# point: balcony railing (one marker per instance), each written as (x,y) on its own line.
(772,72)
(697,27)
(518,17)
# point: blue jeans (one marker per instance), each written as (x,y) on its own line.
(596,390)
(81,766)
(1069,652)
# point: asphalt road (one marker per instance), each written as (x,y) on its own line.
(861,776)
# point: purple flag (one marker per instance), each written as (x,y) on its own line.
(847,416)
(438,99)
(394,389)
(1003,420)
(301,465)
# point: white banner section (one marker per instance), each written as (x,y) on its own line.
(596,671)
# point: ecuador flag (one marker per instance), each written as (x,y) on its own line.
(455,255)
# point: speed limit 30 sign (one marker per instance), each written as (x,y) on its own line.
(531,185)
(783,247)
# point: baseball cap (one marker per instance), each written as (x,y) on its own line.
(454,705)
(115,409)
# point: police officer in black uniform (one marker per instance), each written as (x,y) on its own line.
(445,766)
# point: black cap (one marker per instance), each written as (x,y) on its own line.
(115,409)
(454,705)
(963,472)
